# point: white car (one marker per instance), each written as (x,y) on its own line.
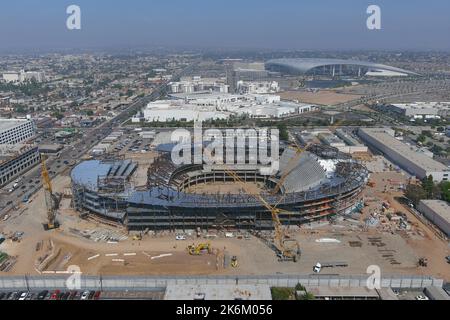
(85,295)
(421,297)
(180,237)
(23,295)
(317,268)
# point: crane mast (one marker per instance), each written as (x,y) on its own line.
(50,201)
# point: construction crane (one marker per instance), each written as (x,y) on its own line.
(285,253)
(51,201)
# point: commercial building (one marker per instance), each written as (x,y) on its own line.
(417,110)
(15,156)
(213,106)
(257,87)
(15,130)
(438,212)
(15,160)
(406,157)
(198,84)
(341,140)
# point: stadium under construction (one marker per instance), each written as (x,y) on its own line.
(312,185)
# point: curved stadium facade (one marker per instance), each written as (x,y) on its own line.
(322,183)
(334,67)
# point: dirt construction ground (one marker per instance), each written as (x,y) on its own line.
(395,252)
(322,97)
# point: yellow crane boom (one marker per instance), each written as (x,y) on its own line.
(49,198)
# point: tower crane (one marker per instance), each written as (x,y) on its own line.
(51,201)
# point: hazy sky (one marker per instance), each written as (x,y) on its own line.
(268,24)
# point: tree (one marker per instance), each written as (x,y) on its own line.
(282,293)
(421,138)
(427,185)
(445,190)
(299,287)
(415,193)
(284,135)
(307,296)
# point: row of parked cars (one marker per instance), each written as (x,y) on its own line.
(51,295)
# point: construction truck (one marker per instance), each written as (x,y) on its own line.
(199,249)
(234,262)
(137,237)
(51,200)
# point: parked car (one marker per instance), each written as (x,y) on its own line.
(421,297)
(23,295)
(85,295)
(72,295)
(97,295)
(55,295)
(13,295)
(180,237)
(42,295)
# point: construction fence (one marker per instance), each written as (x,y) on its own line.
(148,283)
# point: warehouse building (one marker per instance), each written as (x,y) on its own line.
(417,110)
(15,130)
(406,157)
(438,212)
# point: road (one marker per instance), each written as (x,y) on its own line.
(30,182)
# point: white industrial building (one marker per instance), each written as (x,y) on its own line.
(421,110)
(198,84)
(15,130)
(404,156)
(213,106)
(438,212)
(257,87)
(21,76)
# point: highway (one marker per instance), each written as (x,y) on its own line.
(30,182)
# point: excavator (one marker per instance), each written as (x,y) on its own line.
(51,200)
(196,250)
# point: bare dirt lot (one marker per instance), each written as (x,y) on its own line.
(322,97)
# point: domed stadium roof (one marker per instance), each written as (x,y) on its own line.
(304,65)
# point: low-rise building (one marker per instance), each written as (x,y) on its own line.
(405,156)
(418,110)
(206,106)
(438,212)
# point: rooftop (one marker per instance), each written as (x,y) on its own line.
(10,151)
(6,124)
(442,208)
(420,159)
